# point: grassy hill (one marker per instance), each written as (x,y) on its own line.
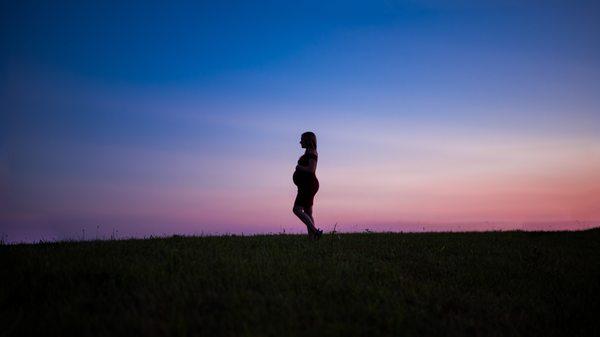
(429,284)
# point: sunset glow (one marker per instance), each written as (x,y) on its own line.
(429,116)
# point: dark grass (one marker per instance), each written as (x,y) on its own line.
(432,284)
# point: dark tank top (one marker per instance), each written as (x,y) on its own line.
(303,178)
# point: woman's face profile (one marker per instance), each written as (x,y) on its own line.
(302,143)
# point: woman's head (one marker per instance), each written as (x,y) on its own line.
(308,140)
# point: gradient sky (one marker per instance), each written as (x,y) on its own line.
(152,118)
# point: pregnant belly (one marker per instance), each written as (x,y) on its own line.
(304,179)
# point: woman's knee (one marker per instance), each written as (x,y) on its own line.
(297,209)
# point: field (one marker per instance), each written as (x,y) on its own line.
(368,284)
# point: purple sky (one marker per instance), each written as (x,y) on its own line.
(149,119)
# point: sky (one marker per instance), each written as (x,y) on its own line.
(145,118)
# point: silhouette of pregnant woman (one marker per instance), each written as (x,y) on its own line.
(308,185)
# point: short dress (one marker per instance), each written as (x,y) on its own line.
(307,182)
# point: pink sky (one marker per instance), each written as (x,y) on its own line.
(384,180)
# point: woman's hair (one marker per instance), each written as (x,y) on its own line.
(311,138)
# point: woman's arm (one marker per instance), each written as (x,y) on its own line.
(312,166)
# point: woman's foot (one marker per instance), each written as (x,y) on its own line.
(317,234)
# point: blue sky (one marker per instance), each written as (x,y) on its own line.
(184,97)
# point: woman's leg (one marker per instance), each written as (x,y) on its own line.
(317,232)
(305,218)
(308,211)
